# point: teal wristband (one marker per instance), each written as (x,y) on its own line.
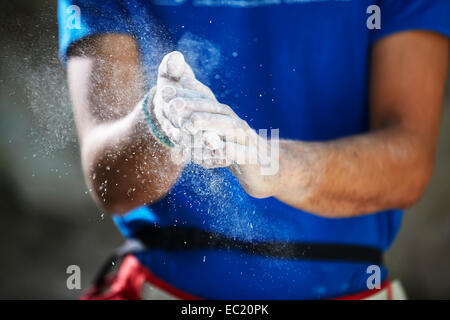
(152,125)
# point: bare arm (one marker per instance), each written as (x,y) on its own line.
(388,167)
(124,165)
(391,166)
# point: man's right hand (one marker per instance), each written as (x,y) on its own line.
(177,96)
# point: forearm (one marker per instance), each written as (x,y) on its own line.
(387,168)
(124,165)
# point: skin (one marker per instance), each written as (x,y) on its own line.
(106,85)
(388,167)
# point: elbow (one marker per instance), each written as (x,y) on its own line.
(114,206)
(105,197)
(105,187)
(116,184)
(116,189)
(114,200)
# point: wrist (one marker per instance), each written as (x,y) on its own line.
(295,171)
(151,121)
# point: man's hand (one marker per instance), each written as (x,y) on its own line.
(251,158)
(388,167)
(208,132)
(176,85)
(126,167)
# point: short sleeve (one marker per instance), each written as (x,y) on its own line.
(82,18)
(403,15)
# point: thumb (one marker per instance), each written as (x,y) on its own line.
(172,66)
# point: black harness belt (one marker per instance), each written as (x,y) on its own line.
(178,238)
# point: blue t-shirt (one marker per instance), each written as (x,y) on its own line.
(300,66)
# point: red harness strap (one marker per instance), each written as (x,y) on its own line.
(127,285)
(366,294)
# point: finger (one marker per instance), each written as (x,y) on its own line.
(205,103)
(191,94)
(208,158)
(179,110)
(207,121)
(189,81)
(168,89)
(175,69)
(168,93)
(175,111)
(212,141)
(228,127)
(172,66)
(188,74)
(173,133)
(169,72)
(196,85)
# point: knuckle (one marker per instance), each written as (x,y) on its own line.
(224,108)
(168,91)
(177,104)
(196,118)
(242,123)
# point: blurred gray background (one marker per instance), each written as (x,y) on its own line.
(47,219)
